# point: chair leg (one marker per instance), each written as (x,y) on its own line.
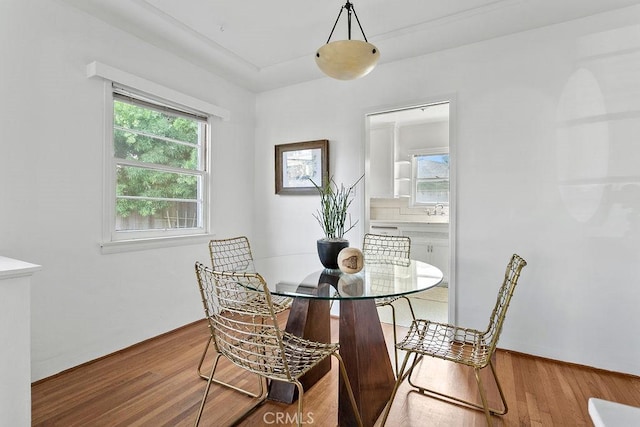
(343,373)
(395,337)
(300,396)
(416,360)
(204,353)
(483,397)
(231,386)
(206,391)
(413,314)
(504,401)
(261,397)
(461,402)
(395,332)
(401,376)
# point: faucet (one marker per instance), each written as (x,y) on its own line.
(435,209)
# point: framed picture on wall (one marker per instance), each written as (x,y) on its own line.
(299,163)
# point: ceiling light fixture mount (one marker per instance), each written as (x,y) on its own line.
(347,59)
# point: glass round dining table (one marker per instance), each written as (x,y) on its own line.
(362,344)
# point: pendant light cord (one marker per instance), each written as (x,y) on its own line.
(350,8)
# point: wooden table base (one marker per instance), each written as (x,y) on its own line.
(364,351)
(362,348)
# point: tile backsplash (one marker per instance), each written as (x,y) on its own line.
(398,209)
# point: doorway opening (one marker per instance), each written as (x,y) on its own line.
(409,191)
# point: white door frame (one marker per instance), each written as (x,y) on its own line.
(453,199)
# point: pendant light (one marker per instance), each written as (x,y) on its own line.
(347,59)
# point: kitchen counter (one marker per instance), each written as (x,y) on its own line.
(427,226)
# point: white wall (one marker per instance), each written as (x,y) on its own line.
(422,136)
(85,304)
(284,224)
(547,166)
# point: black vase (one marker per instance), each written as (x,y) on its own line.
(328,250)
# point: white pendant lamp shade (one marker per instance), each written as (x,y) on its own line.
(347,59)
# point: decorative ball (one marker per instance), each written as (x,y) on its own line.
(350,260)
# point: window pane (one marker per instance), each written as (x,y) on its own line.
(134,117)
(432,191)
(149,136)
(148,199)
(142,182)
(134,146)
(154,215)
(431,179)
(432,166)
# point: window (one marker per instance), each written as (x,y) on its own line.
(158,169)
(430,179)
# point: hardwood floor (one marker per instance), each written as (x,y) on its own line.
(155,384)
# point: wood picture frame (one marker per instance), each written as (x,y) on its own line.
(297,163)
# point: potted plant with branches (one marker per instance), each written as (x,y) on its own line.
(332,217)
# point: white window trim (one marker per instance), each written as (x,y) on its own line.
(109,243)
(110,235)
(112,74)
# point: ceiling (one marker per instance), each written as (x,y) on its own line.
(266,44)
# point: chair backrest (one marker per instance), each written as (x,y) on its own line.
(231,254)
(242,320)
(511,276)
(378,245)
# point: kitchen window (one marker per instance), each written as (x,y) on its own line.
(430,178)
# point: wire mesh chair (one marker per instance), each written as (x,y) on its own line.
(234,254)
(378,246)
(244,328)
(460,345)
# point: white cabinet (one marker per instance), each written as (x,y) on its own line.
(429,242)
(432,248)
(15,335)
(386,230)
(381,167)
(438,250)
(389,173)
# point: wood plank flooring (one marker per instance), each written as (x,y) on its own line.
(155,384)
